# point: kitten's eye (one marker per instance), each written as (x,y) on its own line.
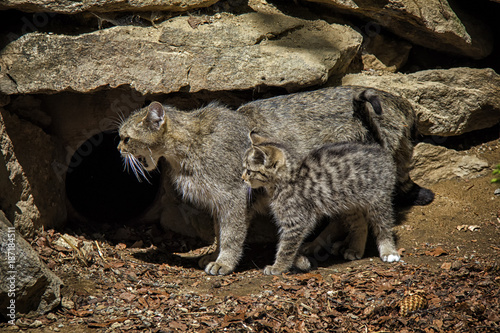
(126,140)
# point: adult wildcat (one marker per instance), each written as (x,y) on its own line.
(205,148)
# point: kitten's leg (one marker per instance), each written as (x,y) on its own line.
(292,235)
(358,233)
(233,226)
(381,219)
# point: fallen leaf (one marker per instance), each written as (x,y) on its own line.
(446,265)
(120,246)
(127,296)
(138,244)
(80,313)
(308,276)
(177,325)
(438,251)
(234,317)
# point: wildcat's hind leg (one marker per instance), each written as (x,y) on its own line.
(381,219)
(354,245)
(332,233)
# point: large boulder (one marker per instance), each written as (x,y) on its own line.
(447,101)
(31,191)
(72,7)
(429,23)
(221,52)
(432,164)
(26,283)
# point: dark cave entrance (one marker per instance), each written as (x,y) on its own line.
(100,189)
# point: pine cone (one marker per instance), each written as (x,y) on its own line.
(410,303)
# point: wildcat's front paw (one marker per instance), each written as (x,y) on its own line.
(216,268)
(275,270)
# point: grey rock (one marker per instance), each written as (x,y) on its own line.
(497,191)
(384,53)
(72,7)
(32,195)
(432,164)
(429,23)
(225,53)
(447,101)
(26,283)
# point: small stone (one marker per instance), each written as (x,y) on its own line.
(67,303)
(37,323)
(497,191)
(456,265)
(116,325)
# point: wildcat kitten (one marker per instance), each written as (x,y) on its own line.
(205,148)
(331,180)
(332,238)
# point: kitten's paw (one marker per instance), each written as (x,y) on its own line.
(391,257)
(303,263)
(215,268)
(275,270)
(350,254)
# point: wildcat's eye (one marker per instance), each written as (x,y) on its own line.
(126,140)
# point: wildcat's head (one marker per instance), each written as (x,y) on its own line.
(264,163)
(140,134)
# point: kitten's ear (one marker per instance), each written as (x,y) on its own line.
(258,155)
(156,115)
(275,156)
(256,139)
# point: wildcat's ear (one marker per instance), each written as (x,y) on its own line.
(156,115)
(256,139)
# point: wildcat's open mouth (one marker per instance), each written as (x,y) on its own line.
(143,161)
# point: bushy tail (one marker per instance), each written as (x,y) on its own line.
(362,111)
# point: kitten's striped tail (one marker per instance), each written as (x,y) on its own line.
(362,111)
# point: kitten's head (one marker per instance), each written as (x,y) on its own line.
(265,163)
(139,134)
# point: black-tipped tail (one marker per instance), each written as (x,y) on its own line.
(362,111)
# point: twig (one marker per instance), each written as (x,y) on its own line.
(79,253)
(99,251)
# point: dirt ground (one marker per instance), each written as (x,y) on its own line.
(142,280)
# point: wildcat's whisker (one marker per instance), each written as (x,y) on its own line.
(152,159)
